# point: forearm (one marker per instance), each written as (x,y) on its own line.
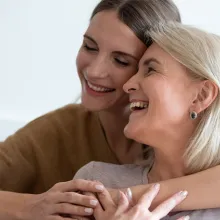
(11,205)
(205,184)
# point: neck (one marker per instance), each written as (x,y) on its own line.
(169,151)
(166,167)
(113,122)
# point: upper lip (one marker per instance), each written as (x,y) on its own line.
(98,85)
(138,100)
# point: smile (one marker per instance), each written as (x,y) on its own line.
(98,88)
(137,106)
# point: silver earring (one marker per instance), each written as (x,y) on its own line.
(193,115)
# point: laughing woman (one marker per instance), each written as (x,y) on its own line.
(175,104)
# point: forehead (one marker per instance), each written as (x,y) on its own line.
(108,30)
(166,62)
(156,52)
(164,58)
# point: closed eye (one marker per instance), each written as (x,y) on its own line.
(121,62)
(90,48)
(150,70)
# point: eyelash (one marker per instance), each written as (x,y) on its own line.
(150,69)
(121,62)
(116,59)
(89,48)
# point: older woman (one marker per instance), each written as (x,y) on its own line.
(175,107)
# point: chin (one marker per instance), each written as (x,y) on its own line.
(129,132)
(132,132)
(94,105)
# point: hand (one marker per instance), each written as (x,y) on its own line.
(61,202)
(108,210)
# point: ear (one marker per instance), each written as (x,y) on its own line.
(206,94)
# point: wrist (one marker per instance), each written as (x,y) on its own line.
(138,191)
(13,205)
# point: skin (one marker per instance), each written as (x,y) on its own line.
(107,58)
(159,81)
(140,211)
(171,93)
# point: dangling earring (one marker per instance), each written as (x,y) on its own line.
(193,115)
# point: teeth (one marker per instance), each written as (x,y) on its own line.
(98,89)
(134,105)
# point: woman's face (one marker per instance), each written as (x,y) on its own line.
(108,57)
(161,95)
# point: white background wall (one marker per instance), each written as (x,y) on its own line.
(39,40)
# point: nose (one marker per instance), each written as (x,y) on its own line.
(131,85)
(98,68)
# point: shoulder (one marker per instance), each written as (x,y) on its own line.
(65,115)
(52,131)
(65,120)
(113,175)
(85,172)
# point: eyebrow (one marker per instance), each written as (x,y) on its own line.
(149,60)
(126,54)
(116,52)
(90,38)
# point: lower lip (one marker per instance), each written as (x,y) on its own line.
(93,92)
(139,111)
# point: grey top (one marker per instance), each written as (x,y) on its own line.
(123,176)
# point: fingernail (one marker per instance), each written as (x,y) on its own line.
(129,194)
(99,187)
(88,210)
(93,202)
(183,194)
(186,218)
(156,186)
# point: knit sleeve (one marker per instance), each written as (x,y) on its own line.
(36,157)
(17,163)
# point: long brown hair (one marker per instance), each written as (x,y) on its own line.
(141,15)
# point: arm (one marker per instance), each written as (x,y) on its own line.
(11,204)
(201,185)
(17,174)
(109,210)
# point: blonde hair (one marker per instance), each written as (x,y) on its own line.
(199,52)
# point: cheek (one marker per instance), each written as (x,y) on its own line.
(82,61)
(122,76)
(169,103)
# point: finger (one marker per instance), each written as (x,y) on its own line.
(79,218)
(98,211)
(105,199)
(164,208)
(148,197)
(123,203)
(184,218)
(58,218)
(74,198)
(78,185)
(65,208)
(90,195)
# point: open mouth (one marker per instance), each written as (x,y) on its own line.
(98,88)
(137,106)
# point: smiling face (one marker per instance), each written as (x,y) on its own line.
(107,58)
(161,95)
